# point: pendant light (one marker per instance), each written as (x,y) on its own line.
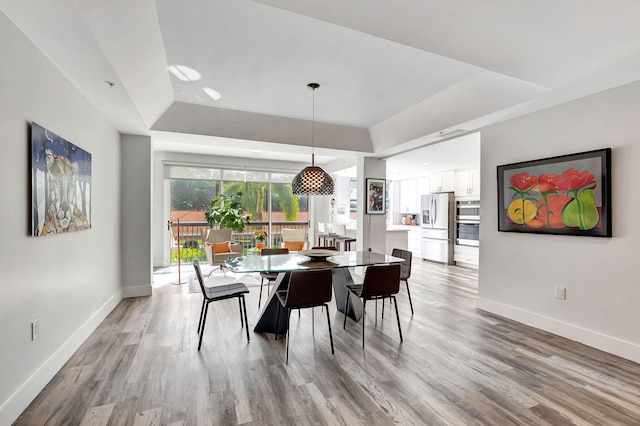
(312,180)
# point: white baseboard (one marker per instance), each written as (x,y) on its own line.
(610,344)
(11,409)
(139,291)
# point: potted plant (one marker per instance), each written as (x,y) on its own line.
(261,237)
(226,211)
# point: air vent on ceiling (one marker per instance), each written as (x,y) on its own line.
(456,132)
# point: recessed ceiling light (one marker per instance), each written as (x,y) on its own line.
(184,73)
(425,164)
(213,93)
(256,150)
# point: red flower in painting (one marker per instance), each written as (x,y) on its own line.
(550,183)
(575,179)
(523,181)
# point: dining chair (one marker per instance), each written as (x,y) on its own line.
(221,292)
(307,289)
(322,232)
(405,270)
(269,276)
(380,282)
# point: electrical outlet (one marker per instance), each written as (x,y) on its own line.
(35,329)
(561,292)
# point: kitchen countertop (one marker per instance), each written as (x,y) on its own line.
(403,227)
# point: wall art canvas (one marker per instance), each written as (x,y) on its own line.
(376,196)
(60,184)
(567,195)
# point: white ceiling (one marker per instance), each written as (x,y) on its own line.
(393,76)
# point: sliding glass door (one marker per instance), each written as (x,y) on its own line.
(266,196)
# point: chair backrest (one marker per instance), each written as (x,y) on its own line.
(405,267)
(270,251)
(311,287)
(217,236)
(325,248)
(196,266)
(294,239)
(294,234)
(381,280)
(340,229)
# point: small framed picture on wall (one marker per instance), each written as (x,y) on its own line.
(376,196)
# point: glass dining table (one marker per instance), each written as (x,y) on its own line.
(284,264)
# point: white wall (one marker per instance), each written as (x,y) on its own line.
(518,272)
(69,282)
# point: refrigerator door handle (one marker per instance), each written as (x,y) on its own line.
(435,210)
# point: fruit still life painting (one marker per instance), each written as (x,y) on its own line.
(561,195)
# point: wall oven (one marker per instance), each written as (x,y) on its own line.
(468,223)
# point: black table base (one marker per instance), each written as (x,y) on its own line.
(267,320)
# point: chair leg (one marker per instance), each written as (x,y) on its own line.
(346,308)
(382,306)
(409,294)
(204,321)
(246,320)
(364,305)
(260,298)
(313,322)
(289,317)
(329,324)
(241,317)
(277,321)
(395,302)
(204,301)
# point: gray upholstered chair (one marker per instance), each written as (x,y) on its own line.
(215,239)
(222,292)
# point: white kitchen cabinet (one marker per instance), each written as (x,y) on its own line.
(442,182)
(422,187)
(413,241)
(466,256)
(467,183)
(409,197)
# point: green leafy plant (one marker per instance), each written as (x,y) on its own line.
(226,211)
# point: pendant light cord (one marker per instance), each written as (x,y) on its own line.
(313,126)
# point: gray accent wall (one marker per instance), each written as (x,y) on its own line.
(137,271)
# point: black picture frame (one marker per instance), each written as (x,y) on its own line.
(563,195)
(376,191)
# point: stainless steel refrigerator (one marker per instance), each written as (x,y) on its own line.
(437,233)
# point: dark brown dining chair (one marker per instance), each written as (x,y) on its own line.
(269,276)
(380,282)
(325,248)
(221,292)
(307,289)
(405,270)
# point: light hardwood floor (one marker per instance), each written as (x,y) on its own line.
(457,366)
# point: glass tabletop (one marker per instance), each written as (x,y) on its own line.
(296,261)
